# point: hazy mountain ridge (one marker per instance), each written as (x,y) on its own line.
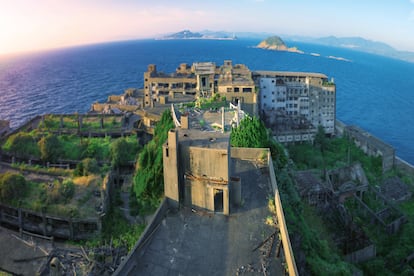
(359,44)
(187,34)
(355,43)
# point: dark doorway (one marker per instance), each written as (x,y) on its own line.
(218,200)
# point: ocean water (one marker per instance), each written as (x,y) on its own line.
(373,92)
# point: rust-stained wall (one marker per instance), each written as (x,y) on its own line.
(213,163)
(195,167)
(170,164)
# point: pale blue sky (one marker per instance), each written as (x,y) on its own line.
(27,25)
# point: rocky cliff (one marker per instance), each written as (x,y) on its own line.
(277,44)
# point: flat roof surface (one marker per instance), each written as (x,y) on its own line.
(203,243)
(290,74)
(204,139)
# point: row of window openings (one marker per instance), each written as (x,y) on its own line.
(291,91)
(290,79)
(237,89)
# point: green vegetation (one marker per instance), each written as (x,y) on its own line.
(53,147)
(149,177)
(23,145)
(56,196)
(87,167)
(215,102)
(12,186)
(252,133)
(274,41)
(333,153)
(116,229)
(60,192)
(49,148)
(321,257)
(89,123)
(74,193)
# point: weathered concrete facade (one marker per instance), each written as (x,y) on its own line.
(294,104)
(197,170)
(202,79)
(372,146)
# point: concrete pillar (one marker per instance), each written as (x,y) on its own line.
(210,199)
(226,205)
(235,190)
(44,224)
(223,126)
(80,122)
(170,164)
(184,122)
(71,229)
(61,122)
(19,212)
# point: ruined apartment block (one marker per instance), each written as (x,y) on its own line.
(292,104)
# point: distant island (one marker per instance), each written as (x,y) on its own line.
(187,34)
(277,44)
(358,44)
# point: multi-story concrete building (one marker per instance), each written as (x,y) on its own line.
(294,104)
(157,84)
(203,79)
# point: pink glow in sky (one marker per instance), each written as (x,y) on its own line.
(29,25)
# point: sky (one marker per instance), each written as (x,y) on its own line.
(31,25)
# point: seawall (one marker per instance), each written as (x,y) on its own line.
(372,145)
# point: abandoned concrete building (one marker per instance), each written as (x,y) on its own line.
(372,146)
(294,104)
(347,181)
(311,188)
(395,189)
(197,168)
(202,79)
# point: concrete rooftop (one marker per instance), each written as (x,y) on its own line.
(190,242)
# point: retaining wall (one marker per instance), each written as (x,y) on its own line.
(46,225)
(129,263)
(284,234)
(250,153)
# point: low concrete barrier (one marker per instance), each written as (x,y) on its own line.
(284,234)
(129,263)
(250,153)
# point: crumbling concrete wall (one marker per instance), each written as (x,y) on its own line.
(129,263)
(46,225)
(362,255)
(258,154)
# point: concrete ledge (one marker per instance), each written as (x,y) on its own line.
(129,263)
(249,153)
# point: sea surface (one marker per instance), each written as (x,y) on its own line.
(373,92)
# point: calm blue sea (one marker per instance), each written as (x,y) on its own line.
(374,92)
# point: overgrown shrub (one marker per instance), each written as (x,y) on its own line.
(12,186)
(58,192)
(252,133)
(22,145)
(149,176)
(49,147)
(86,167)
